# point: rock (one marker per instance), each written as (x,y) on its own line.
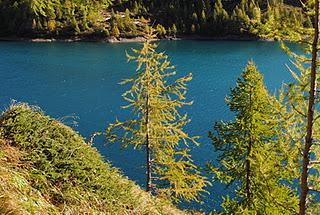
(41,40)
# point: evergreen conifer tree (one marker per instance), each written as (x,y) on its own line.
(220,17)
(115,31)
(174,30)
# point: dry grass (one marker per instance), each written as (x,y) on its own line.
(17,195)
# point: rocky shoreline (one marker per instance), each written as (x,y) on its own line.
(75,39)
(138,39)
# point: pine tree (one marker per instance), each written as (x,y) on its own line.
(203,17)
(239,20)
(136,7)
(127,18)
(250,158)
(174,30)
(193,28)
(115,31)
(157,125)
(161,31)
(195,17)
(220,17)
(256,13)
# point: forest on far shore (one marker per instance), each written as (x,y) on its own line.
(128,19)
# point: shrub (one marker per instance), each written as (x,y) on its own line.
(69,172)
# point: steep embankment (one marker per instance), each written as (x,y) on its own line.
(47,168)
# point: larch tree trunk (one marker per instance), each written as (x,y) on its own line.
(310,116)
(148,146)
(248,168)
(248,174)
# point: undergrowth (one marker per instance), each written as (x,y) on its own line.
(47,168)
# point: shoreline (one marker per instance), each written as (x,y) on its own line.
(137,39)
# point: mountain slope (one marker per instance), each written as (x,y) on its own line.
(47,168)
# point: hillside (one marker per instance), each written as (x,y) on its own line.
(213,17)
(47,168)
(103,19)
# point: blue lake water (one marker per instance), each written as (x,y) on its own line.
(69,80)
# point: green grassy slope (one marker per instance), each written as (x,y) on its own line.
(47,168)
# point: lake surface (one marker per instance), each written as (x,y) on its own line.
(79,82)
